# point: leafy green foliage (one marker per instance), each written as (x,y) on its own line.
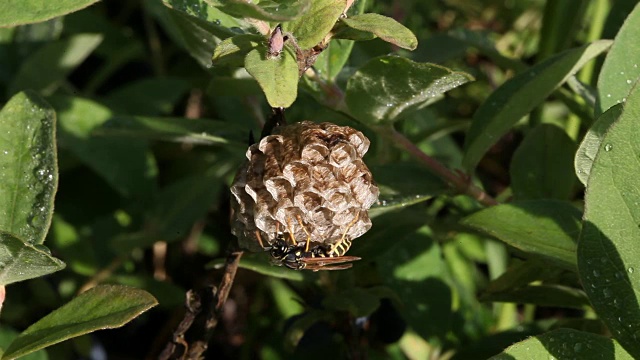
(607,253)
(565,344)
(390,87)
(311,28)
(153,105)
(21,260)
(586,154)
(278,77)
(541,227)
(520,95)
(621,69)
(541,168)
(265,10)
(383,27)
(40,73)
(104,307)
(29,176)
(19,12)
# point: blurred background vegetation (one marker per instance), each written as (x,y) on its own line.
(155,214)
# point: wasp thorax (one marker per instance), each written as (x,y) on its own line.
(304,187)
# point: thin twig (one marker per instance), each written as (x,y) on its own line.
(199,345)
(204,307)
(460,182)
(193,306)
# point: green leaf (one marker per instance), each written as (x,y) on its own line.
(278,77)
(591,142)
(621,68)
(520,274)
(264,10)
(197,36)
(416,271)
(7,335)
(285,298)
(383,27)
(175,209)
(565,344)
(389,87)
(126,164)
(542,167)
(521,94)
(194,131)
(19,12)
(204,11)
(331,61)
(151,96)
(45,68)
(541,295)
(545,228)
(29,167)
(558,30)
(233,50)
(103,307)
(310,28)
(608,255)
(23,261)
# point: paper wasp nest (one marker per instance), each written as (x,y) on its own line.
(305,179)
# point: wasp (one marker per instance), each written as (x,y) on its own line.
(285,250)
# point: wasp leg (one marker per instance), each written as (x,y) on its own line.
(291,235)
(345,243)
(259,238)
(306,249)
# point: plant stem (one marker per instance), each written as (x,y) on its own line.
(460,183)
(205,305)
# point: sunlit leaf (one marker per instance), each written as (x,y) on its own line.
(278,77)
(263,10)
(521,94)
(591,142)
(125,164)
(565,344)
(383,27)
(19,12)
(103,307)
(608,255)
(233,50)
(29,168)
(545,228)
(194,131)
(310,28)
(621,68)
(22,261)
(387,88)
